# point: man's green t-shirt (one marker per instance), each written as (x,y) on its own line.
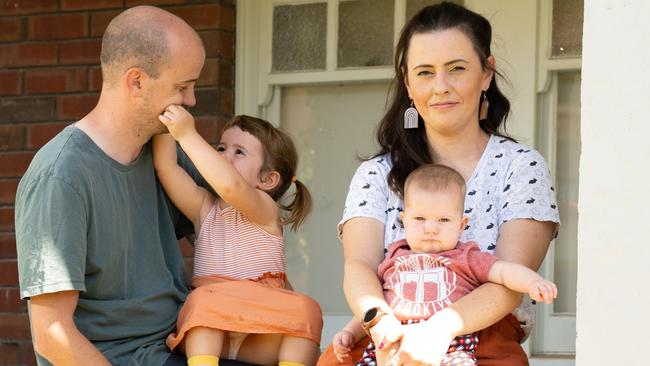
(88,223)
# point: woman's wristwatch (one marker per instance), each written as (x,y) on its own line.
(371,317)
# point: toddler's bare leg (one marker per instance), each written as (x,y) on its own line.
(300,350)
(202,341)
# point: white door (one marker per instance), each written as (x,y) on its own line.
(321,71)
(332,126)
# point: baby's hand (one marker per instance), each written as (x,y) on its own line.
(542,290)
(342,343)
(178,120)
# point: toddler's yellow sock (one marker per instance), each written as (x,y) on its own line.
(203,360)
(289,363)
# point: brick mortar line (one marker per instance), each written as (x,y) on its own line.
(39,95)
(22,150)
(89,36)
(9,154)
(44,68)
(61,11)
(81,92)
(26,124)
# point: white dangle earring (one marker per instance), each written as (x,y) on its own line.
(411,117)
(484,107)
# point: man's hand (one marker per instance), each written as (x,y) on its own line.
(179,121)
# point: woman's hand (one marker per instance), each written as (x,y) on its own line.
(178,121)
(387,332)
(386,336)
(426,343)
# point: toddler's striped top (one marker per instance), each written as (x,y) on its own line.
(229,244)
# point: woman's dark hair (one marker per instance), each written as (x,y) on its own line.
(408,147)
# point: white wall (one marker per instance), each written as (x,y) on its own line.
(613,239)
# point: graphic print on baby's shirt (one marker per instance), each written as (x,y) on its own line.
(422,284)
(417,285)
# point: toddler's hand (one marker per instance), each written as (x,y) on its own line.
(178,121)
(342,343)
(542,290)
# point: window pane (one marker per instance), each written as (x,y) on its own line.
(413,6)
(567,164)
(365,32)
(567,28)
(299,33)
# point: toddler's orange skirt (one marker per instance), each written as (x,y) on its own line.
(260,306)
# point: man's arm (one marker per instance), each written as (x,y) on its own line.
(56,336)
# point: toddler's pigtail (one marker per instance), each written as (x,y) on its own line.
(299,207)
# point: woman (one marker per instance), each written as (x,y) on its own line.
(445,71)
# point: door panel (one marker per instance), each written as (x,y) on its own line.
(332,127)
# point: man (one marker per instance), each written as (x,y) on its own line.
(97,253)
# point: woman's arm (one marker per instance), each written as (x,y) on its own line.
(363,249)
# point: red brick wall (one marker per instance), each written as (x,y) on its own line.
(50,76)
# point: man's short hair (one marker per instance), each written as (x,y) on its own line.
(134,39)
(436,178)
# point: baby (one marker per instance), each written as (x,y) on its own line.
(430,268)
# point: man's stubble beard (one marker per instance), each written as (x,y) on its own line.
(148,122)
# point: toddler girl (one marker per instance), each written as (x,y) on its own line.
(241,306)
